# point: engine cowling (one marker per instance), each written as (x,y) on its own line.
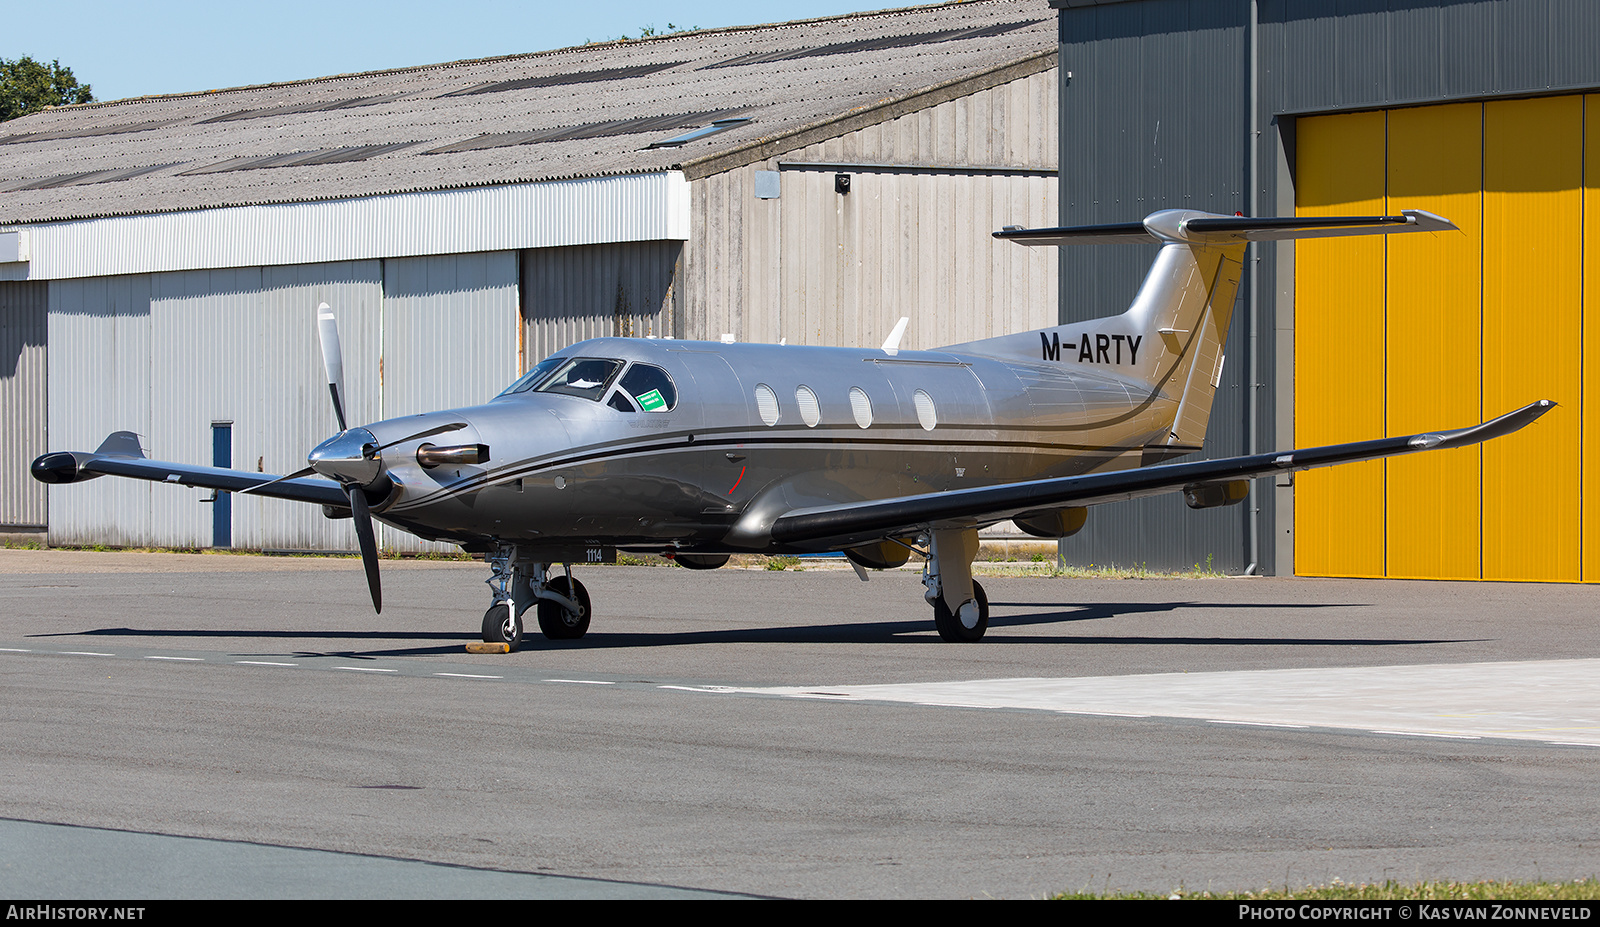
(700,561)
(1053,524)
(1212,495)
(884,555)
(60,467)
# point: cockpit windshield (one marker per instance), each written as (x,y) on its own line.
(531,379)
(587,377)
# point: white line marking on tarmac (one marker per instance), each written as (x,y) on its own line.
(1299,727)
(267,663)
(367,669)
(15,650)
(469,676)
(185,659)
(586,682)
(1520,700)
(84,653)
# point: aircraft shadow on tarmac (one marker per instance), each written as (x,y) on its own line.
(914,631)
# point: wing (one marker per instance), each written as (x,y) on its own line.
(120,455)
(861,522)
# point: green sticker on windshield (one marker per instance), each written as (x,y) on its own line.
(652,401)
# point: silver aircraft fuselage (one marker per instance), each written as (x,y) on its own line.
(711,474)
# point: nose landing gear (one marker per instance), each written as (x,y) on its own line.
(560,603)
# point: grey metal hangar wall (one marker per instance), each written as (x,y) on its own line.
(220,364)
(1160,101)
(137,299)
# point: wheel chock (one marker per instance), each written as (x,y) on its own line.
(478,647)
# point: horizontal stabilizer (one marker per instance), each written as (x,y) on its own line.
(1199,227)
(1122,233)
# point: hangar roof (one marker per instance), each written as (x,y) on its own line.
(589,111)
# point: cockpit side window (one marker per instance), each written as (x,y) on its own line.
(650,388)
(587,377)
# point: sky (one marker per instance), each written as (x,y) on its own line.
(124,49)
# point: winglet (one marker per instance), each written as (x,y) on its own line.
(1494,428)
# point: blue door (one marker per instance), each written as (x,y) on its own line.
(222,506)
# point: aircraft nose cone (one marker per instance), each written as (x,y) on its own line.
(350,457)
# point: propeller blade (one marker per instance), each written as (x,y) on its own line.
(369,544)
(453,426)
(259,486)
(332,359)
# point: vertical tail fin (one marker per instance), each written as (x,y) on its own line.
(1171,339)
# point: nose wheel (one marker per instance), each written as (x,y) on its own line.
(501,625)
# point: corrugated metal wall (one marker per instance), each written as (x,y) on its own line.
(295,413)
(168,355)
(449,340)
(1424,332)
(1157,114)
(598,291)
(818,267)
(1155,117)
(99,359)
(23,326)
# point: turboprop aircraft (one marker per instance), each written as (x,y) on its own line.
(699,450)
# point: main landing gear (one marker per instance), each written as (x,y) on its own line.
(560,603)
(960,608)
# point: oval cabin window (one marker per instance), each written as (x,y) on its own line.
(926,414)
(767,403)
(810,412)
(860,406)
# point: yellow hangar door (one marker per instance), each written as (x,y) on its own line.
(1399,335)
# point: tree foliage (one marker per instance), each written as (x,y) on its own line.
(27,86)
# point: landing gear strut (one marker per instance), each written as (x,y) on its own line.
(960,607)
(560,603)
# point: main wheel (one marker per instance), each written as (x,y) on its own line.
(950,626)
(558,622)
(501,626)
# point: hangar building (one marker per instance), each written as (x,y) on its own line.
(161,258)
(1484,111)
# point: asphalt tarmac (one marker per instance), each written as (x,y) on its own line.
(228,726)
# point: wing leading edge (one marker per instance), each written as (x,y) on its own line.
(121,455)
(861,522)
